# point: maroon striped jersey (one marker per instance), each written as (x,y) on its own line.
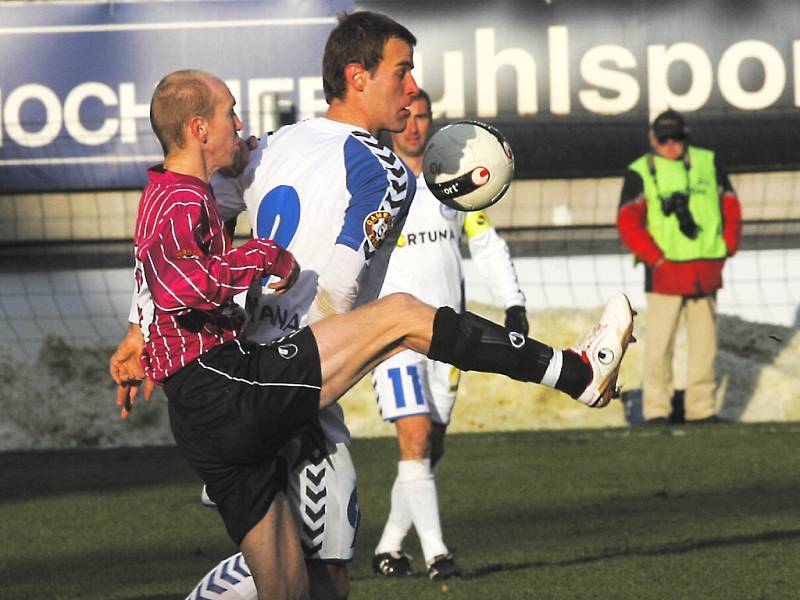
(187,272)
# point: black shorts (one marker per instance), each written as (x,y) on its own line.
(232,409)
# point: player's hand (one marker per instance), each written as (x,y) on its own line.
(127,372)
(127,393)
(241,158)
(517,319)
(283,284)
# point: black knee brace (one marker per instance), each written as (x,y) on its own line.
(472,343)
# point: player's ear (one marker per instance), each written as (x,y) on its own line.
(198,128)
(356,76)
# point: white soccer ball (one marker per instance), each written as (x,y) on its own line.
(468,165)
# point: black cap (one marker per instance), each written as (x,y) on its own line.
(670,124)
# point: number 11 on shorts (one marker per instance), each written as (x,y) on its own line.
(396,376)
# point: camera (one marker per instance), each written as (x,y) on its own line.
(678,203)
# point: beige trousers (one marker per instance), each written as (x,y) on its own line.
(663,315)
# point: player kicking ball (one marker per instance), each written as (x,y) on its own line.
(234,404)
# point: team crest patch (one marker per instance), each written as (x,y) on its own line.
(287,351)
(377,226)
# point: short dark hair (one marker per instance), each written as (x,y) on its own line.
(177,98)
(358,38)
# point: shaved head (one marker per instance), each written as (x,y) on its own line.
(177,98)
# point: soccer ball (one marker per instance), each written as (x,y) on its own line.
(468,165)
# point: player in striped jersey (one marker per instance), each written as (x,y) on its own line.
(233,403)
(185,307)
(328,191)
(414,392)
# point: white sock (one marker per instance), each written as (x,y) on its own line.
(418,486)
(398,524)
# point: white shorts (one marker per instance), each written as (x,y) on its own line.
(410,383)
(322,493)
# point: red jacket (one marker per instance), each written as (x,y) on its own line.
(689,278)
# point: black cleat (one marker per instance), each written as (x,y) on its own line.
(392,564)
(443,567)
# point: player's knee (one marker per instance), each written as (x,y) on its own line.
(402,302)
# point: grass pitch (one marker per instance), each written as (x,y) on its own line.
(669,512)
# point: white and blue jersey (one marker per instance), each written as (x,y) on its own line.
(333,182)
(427,263)
(333,196)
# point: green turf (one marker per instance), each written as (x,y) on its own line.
(680,512)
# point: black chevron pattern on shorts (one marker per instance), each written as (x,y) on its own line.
(313,497)
(317,478)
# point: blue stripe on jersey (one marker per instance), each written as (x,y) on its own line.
(367,182)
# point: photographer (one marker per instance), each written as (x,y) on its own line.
(679,215)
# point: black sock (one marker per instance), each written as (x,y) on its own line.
(575,374)
(472,343)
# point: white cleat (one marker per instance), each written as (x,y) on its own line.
(603,348)
(205,499)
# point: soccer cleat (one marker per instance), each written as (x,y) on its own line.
(602,349)
(206,500)
(443,567)
(392,564)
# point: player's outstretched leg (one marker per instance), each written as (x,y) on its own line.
(587,371)
(351,344)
